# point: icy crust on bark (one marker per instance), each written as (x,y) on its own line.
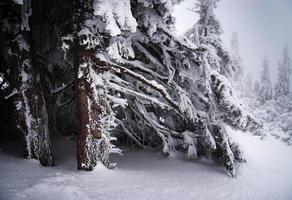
(31,136)
(96,118)
(33,119)
(100,119)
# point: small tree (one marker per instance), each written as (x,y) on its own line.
(237,61)
(248,84)
(256,88)
(265,86)
(282,86)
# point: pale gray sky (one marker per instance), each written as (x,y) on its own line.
(263,27)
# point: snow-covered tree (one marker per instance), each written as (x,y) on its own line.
(157,108)
(248,84)
(95,21)
(265,91)
(164,95)
(282,86)
(32,119)
(136,80)
(208,31)
(256,88)
(217,65)
(238,74)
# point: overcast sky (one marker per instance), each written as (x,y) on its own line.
(263,27)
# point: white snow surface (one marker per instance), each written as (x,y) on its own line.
(146,174)
(116,14)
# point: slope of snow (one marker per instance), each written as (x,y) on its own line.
(146,174)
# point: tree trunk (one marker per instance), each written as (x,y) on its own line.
(93,141)
(30,104)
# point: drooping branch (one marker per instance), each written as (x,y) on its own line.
(152,84)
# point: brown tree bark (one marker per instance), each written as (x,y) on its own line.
(91,104)
(30,104)
(29,100)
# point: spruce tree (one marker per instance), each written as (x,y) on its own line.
(95,22)
(282,87)
(238,74)
(265,92)
(135,80)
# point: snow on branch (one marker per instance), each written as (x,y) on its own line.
(229,104)
(116,14)
(153,84)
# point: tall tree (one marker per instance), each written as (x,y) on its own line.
(172,99)
(208,31)
(135,79)
(282,86)
(265,91)
(219,65)
(93,110)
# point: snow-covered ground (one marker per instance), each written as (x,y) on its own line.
(146,174)
(276,116)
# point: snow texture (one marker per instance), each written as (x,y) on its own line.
(116,14)
(145,175)
(276,116)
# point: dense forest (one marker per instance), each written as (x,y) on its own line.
(114,73)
